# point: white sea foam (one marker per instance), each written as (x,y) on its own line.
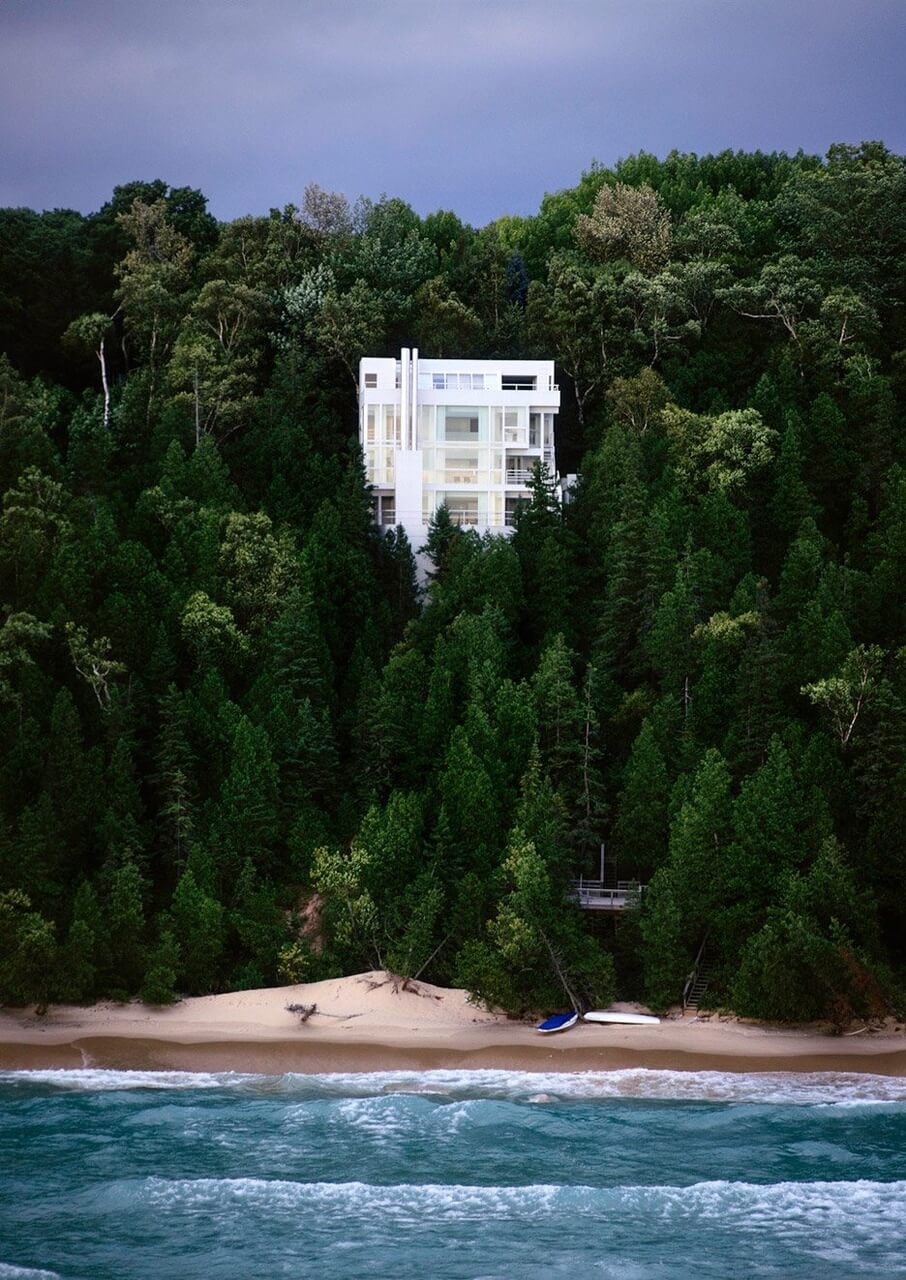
(857,1224)
(9,1271)
(97,1079)
(835,1221)
(775,1088)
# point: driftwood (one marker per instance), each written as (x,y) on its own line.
(306,1011)
(398,983)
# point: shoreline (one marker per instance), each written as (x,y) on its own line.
(374,1022)
(281,1057)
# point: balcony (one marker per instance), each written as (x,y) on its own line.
(460,515)
(595,895)
(460,475)
(518,476)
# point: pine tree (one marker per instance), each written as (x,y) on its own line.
(124,927)
(468,817)
(197,925)
(640,831)
(121,825)
(537,956)
(688,891)
(159,982)
(768,842)
(175,780)
(399,578)
(626,606)
(559,711)
(71,777)
(246,820)
(28,953)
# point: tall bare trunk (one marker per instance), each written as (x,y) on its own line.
(103,362)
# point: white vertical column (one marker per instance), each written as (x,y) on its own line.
(404,398)
(413,402)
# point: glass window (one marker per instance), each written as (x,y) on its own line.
(465,425)
(461,468)
(463,508)
(461,428)
(512,507)
(391,424)
(370,379)
(438,381)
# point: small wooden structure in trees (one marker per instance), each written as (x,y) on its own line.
(606,893)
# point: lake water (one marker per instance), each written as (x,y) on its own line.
(109,1175)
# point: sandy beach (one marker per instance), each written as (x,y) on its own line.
(371,1022)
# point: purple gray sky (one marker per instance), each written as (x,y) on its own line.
(476,105)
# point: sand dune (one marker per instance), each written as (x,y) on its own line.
(373,1020)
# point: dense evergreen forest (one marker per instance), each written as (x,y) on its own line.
(241,748)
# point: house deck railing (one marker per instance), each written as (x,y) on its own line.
(595,895)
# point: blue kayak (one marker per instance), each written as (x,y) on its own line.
(559,1022)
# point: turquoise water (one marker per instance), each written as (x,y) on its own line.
(118,1175)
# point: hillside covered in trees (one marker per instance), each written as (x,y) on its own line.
(240,749)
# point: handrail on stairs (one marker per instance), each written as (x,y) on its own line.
(690,981)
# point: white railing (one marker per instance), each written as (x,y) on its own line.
(461,475)
(595,895)
(459,516)
(520,477)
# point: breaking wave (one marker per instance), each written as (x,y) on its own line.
(775,1088)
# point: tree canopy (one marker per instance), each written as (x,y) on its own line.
(242,746)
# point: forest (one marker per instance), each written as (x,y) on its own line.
(243,747)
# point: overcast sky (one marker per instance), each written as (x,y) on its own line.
(476,105)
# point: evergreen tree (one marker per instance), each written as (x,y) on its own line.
(198,925)
(685,894)
(246,821)
(640,831)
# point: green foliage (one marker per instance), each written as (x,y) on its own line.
(28,952)
(815,956)
(537,956)
(847,693)
(687,889)
(197,921)
(222,695)
(159,983)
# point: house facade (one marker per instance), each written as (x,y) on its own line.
(467,433)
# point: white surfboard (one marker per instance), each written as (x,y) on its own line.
(628,1019)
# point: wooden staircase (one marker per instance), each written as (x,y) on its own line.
(698,979)
(699,985)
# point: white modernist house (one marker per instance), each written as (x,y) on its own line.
(467,433)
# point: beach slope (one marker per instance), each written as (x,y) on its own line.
(375,1021)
